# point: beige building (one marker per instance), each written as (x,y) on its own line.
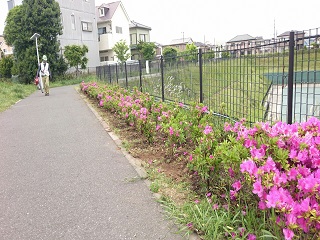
(138,32)
(5,49)
(179,44)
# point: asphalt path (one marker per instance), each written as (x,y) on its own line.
(63,177)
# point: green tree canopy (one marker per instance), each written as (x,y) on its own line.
(34,16)
(191,52)
(76,56)
(121,51)
(147,50)
(6,64)
(209,54)
(170,54)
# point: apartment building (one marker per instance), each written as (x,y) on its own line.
(80,27)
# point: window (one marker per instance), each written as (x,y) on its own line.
(143,37)
(101,12)
(61,18)
(102,30)
(73,22)
(133,38)
(86,26)
(106,58)
(119,30)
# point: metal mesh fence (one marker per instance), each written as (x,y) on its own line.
(269,80)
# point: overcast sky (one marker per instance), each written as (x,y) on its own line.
(216,21)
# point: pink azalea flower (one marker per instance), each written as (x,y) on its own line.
(207,130)
(303,223)
(292,174)
(171,131)
(305,205)
(237,186)
(258,188)
(204,109)
(231,172)
(291,219)
(215,206)
(190,225)
(288,234)
(251,237)
(249,166)
(302,155)
(279,178)
(262,205)
(258,153)
(249,143)
(143,111)
(307,184)
(241,231)
(233,195)
(227,127)
(270,165)
(273,198)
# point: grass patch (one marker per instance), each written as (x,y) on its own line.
(10,93)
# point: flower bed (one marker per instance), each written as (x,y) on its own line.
(273,169)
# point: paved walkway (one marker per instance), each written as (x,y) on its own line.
(63,177)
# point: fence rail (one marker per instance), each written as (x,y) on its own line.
(274,80)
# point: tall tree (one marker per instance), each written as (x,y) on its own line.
(170,54)
(121,51)
(34,16)
(191,52)
(76,56)
(147,50)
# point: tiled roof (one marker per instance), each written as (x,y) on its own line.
(181,41)
(138,25)
(239,38)
(287,33)
(110,9)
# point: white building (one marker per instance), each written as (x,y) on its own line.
(80,27)
(113,26)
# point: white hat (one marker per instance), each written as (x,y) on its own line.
(44,58)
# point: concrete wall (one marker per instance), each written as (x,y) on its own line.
(83,12)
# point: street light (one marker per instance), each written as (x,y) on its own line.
(35,37)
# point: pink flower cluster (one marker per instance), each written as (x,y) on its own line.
(284,168)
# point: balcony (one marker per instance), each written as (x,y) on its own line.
(106,41)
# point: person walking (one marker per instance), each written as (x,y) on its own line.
(45,73)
